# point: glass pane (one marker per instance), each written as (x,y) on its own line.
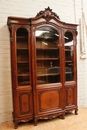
(69,53)
(22,57)
(47,55)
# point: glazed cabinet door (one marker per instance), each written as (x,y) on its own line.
(48,81)
(21,73)
(70,72)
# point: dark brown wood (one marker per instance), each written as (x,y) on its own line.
(43,68)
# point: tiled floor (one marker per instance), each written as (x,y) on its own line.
(71,122)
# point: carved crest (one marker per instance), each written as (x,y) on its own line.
(47,14)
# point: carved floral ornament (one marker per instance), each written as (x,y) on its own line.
(47,14)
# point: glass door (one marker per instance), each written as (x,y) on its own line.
(23,76)
(69,56)
(47,55)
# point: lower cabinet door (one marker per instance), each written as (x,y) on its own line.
(48,99)
(49,102)
(70,96)
(23,103)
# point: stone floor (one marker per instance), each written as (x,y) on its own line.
(71,122)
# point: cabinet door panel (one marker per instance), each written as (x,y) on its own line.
(48,100)
(70,96)
(70,90)
(25,103)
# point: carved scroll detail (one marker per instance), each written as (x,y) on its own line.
(47,14)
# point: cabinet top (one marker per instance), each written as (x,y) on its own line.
(45,16)
(17,20)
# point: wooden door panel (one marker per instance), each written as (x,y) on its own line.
(25,105)
(70,96)
(48,100)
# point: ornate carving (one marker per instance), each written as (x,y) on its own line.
(51,116)
(47,14)
(21,120)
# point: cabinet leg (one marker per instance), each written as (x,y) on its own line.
(76,112)
(35,121)
(63,116)
(15,124)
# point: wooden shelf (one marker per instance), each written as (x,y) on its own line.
(67,49)
(51,74)
(22,37)
(20,62)
(41,82)
(43,48)
(23,74)
(24,83)
(68,61)
(22,48)
(45,37)
(68,72)
(47,58)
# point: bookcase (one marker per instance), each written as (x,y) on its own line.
(43,67)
